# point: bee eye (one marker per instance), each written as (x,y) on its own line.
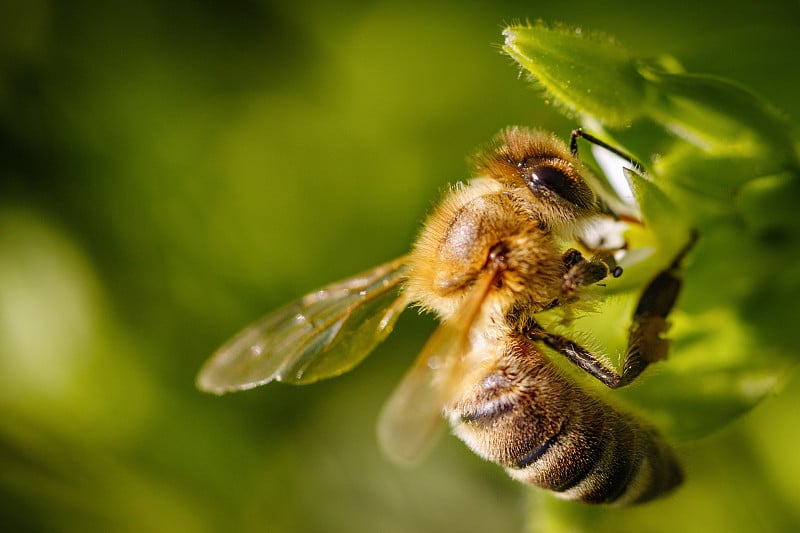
(555,180)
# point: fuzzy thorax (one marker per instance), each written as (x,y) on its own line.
(454,246)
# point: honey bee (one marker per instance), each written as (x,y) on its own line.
(491,257)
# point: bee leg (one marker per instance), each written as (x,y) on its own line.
(577,354)
(645,344)
(582,272)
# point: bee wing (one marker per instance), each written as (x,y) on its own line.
(320,335)
(411,420)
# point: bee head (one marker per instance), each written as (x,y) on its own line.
(542,166)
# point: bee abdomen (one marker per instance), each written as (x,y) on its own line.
(633,464)
(549,432)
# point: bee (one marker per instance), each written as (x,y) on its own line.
(491,258)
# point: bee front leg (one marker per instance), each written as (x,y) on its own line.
(582,272)
(645,344)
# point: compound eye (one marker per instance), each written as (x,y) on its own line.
(553,179)
(550,179)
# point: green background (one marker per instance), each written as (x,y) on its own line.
(172,170)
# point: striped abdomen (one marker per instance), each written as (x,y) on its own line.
(546,431)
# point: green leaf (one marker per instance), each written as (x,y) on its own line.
(593,75)
(717,115)
(720,160)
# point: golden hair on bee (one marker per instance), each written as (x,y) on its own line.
(529,195)
(451,250)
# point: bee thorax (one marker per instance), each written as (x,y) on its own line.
(475,226)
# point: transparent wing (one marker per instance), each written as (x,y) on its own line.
(411,421)
(321,335)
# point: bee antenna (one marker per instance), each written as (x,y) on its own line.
(573,147)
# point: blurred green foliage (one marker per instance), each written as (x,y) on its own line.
(172,170)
